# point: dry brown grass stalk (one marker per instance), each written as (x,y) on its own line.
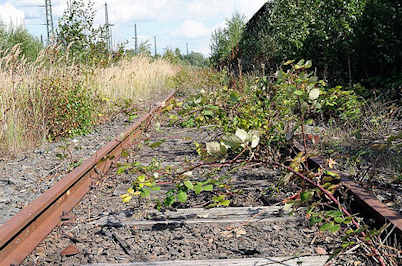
(32,94)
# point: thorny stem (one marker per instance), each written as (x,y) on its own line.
(331,196)
(302,126)
(216,164)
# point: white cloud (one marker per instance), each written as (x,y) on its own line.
(10,14)
(196,18)
(192,29)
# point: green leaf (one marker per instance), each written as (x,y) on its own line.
(213,147)
(198,188)
(315,220)
(169,201)
(314,94)
(232,141)
(208,188)
(188,185)
(126,198)
(141,178)
(242,135)
(156,188)
(254,138)
(123,168)
(182,196)
(334,213)
(145,193)
(306,196)
(308,64)
(156,144)
(218,198)
(225,203)
(234,97)
(299,92)
(350,231)
(339,220)
(124,154)
(329,173)
(208,113)
(325,227)
(348,220)
(347,244)
(301,62)
(334,228)
(288,62)
(173,117)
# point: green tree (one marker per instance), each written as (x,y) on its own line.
(76,30)
(196,59)
(144,48)
(171,56)
(224,42)
(30,46)
(178,53)
(296,29)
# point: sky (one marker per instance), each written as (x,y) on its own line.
(173,22)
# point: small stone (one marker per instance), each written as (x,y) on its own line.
(320,251)
(70,251)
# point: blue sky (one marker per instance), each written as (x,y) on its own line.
(173,22)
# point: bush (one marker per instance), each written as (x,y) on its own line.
(69,106)
(29,45)
(349,41)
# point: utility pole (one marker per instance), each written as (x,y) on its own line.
(108,29)
(49,20)
(155,45)
(187,47)
(136,39)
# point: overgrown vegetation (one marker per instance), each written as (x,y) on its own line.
(258,121)
(225,42)
(349,41)
(79,36)
(55,96)
(65,89)
(30,46)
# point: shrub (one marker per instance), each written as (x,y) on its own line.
(30,46)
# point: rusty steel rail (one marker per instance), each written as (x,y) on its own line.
(22,233)
(371,205)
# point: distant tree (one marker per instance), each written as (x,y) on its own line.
(178,53)
(171,56)
(30,46)
(76,30)
(196,59)
(144,48)
(224,42)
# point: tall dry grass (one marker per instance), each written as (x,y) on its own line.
(136,78)
(55,97)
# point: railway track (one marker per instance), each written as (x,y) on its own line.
(101,229)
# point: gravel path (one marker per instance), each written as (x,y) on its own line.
(85,240)
(24,178)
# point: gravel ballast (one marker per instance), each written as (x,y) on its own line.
(86,239)
(25,177)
